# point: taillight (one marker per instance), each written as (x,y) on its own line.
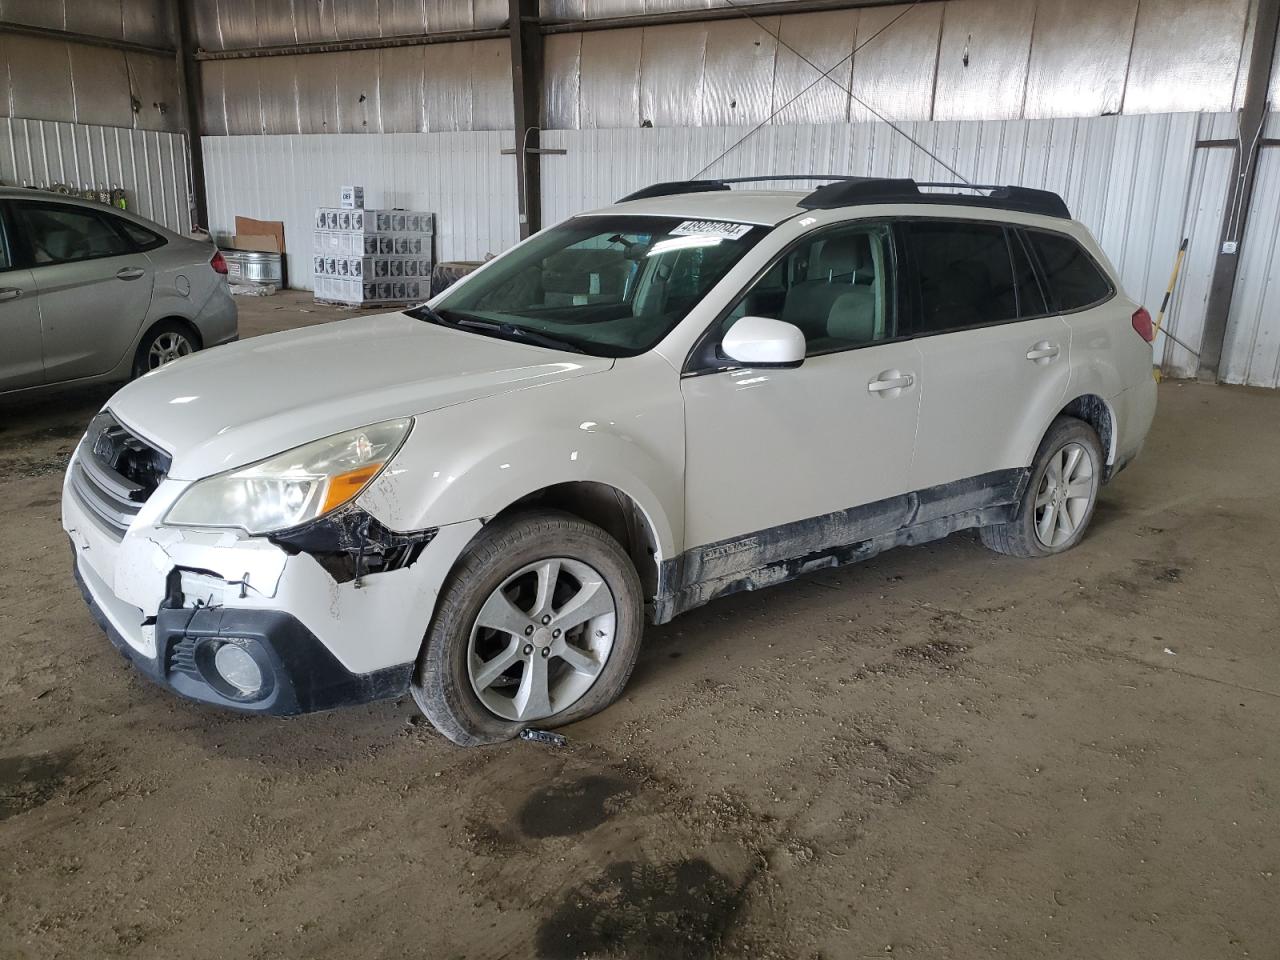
(1142,323)
(219,263)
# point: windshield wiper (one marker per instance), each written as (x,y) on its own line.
(510,331)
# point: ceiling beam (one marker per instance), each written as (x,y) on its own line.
(87,39)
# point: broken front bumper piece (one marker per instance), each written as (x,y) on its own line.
(279,666)
(329,615)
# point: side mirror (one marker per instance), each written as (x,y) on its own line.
(764,342)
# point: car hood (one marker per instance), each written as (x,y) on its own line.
(242,402)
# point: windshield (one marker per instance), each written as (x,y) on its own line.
(610,285)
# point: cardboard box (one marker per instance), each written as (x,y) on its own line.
(252,231)
(351,198)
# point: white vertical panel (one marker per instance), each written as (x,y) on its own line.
(149,165)
(462,177)
(1251,353)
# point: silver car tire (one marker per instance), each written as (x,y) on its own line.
(538,625)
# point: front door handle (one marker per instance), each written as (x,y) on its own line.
(1044,352)
(890,383)
(129,273)
(10,293)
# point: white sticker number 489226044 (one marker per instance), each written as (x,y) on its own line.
(711,228)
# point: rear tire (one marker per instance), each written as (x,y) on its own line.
(1060,497)
(162,344)
(564,612)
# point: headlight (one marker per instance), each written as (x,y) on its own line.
(293,487)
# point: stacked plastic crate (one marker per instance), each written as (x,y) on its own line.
(373,256)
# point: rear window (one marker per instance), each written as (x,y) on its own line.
(143,238)
(1073,278)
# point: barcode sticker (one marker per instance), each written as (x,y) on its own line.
(712,228)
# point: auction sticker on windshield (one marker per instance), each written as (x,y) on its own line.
(711,228)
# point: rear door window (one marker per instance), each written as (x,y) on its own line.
(964,275)
(64,234)
(1073,278)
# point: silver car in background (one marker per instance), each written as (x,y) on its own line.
(90,293)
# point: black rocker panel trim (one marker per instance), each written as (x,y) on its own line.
(778,554)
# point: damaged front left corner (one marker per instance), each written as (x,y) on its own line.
(351,544)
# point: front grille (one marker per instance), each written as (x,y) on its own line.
(114,472)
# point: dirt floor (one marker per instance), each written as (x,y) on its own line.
(938,753)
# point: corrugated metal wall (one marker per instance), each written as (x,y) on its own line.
(236,24)
(150,165)
(442,87)
(959,60)
(1252,349)
(461,177)
(47,79)
(954,60)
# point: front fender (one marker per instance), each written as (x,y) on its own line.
(624,428)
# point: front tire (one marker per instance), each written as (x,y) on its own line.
(1059,500)
(539,624)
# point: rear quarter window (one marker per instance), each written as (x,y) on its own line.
(1073,278)
(141,237)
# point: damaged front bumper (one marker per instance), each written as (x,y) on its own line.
(318,631)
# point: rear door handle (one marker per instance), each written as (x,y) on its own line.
(129,273)
(1044,352)
(10,293)
(890,383)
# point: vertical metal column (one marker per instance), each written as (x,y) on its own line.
(526,87)
(189,103)
(1253,115)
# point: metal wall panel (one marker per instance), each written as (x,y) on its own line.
(562,59)
(150,165)
(100,86)
(142,21)
(737,81)
(317,88)
(982,60)
(1185,55)
(671,71)
(39,78)
(241,96)
(1136,182)
(278,77)
(154,82)
(894,72)
(610,81)
(400,89)
(1079,51)
(826,39)
(461,177)
(357,85)
(233,24)
(1251,354)
(492,107)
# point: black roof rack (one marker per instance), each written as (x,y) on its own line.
(847,191)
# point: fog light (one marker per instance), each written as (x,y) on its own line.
(238,668)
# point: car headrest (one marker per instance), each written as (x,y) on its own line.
(842,257)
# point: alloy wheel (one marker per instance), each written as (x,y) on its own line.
(1065,494)
(166,348)
(541,639)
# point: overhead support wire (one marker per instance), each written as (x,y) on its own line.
(826,75)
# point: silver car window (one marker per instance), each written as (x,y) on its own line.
(63,234)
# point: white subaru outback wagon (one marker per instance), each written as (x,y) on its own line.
(696,391)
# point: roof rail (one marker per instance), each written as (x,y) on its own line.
(862,191)
(674,187)
(848,191)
